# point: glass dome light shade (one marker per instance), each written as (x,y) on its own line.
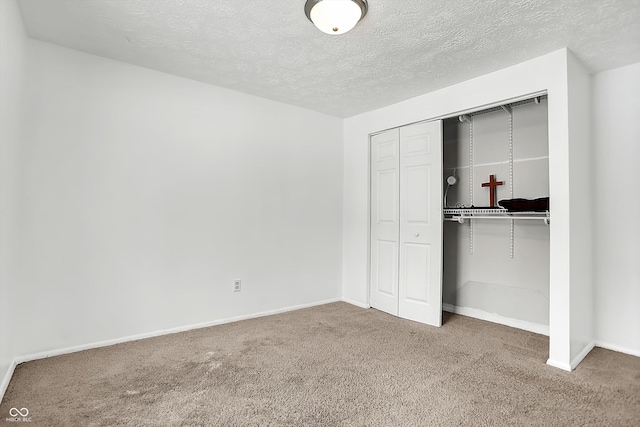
(335,16)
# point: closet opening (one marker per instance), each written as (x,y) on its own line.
(496,215)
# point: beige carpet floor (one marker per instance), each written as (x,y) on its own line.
(332,365)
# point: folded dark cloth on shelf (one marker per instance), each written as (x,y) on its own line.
(525,205)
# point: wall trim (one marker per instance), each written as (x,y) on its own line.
(495,318)
(618,348)
(356,303)
(576,360)
(58,352)
(7,378)
(559,365)
(73,349)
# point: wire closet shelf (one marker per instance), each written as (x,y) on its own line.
(462,214)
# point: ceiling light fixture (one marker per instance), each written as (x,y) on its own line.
(335,16)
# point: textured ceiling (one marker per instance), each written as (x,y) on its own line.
(401,49)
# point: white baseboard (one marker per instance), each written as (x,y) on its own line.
(576,360)
(58,352)
(495,318)
(7,378)
(618,348)
(67,350)
(559,365)
(587,349)
(356,303)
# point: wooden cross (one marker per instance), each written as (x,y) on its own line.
(492,184)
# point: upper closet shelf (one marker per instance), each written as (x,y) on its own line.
(460,214)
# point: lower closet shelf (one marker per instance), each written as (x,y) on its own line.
(462,214)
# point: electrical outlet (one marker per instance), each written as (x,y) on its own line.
(237,285)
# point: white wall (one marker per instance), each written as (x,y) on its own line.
(144,195)
(549,73)
(616,130)
(12,52)
(581,181)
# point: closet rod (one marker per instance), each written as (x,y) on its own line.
(507,107)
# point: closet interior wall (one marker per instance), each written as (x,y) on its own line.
(480,278)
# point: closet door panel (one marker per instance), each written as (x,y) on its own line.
(417,181)
(417,265)
(387,196)
(387,267)
(385,221)
(420,282)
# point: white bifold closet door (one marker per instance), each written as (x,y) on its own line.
(406,222)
